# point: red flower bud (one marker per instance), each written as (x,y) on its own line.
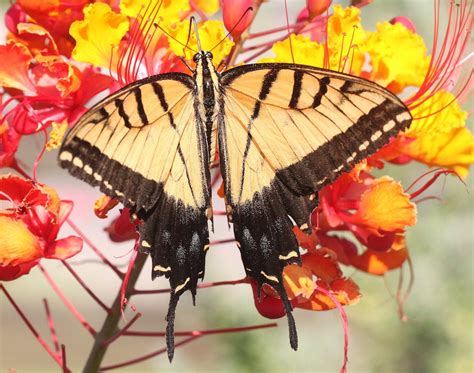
(232,11)
(317,7)
(267,306)
(405,21)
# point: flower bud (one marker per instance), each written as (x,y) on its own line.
(232,11)
(317,7)
(405,21)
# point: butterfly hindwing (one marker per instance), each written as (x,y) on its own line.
(284,133)
(146,146)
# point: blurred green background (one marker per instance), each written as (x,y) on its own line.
(438,336)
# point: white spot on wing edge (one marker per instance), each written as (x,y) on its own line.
(364,145)
(107,185)
(162,269)
(88,169)
(271,278)
(145,244)
(97,176)
(179,287)
(291,254)
(65,156)
(389,125)
(77,162)
(403,116)
(376,136)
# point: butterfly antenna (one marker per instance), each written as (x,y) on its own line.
(249,9)
(172,37)
(193,20)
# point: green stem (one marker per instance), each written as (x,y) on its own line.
(110,326)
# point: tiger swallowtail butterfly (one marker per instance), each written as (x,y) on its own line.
(282,132)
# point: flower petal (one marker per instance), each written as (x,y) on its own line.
(385,206)
(9,273)
(298,281)
(18,244)
(17,55)
(64,248)
(380,262)
(96,35)
(397,55)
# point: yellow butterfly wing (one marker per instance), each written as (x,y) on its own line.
(286,131)
(145,146)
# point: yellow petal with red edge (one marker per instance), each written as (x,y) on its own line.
(210,34)
(17,244)
(344,290)
(380,262)
(15,60)
(170,11)
(208,6)
(298,281)
(385,206)
(305,51)
(54,202)
(103,205)
(98,34)
(397,55)
(346,39)
(56,135)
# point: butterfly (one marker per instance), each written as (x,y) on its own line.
(280,133)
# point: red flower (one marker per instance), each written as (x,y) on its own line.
(30,227)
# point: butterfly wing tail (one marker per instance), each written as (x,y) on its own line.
(177,238)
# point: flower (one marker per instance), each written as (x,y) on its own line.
(398,56)
(211,33)
(232,11)
(30,227)
(98,34)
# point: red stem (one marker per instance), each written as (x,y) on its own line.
(31,327)
(64,361)
(51,326)
(199,286)
(345,324)
(198,333)
(146,357)
(85,287)
(94,248)
(67,302)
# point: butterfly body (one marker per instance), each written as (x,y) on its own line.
(283,132)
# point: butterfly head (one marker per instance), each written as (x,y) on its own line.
(201,55)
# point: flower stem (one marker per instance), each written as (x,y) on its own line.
(110,326)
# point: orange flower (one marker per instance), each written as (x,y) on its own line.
(30,227)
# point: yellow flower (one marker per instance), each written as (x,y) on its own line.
(441,139)
(208,6)
(101,30)
(305,51)
(170,10)
(210,34)
(56,135)
(343,27)
(398,56)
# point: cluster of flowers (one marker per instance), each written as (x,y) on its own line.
(64,53)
